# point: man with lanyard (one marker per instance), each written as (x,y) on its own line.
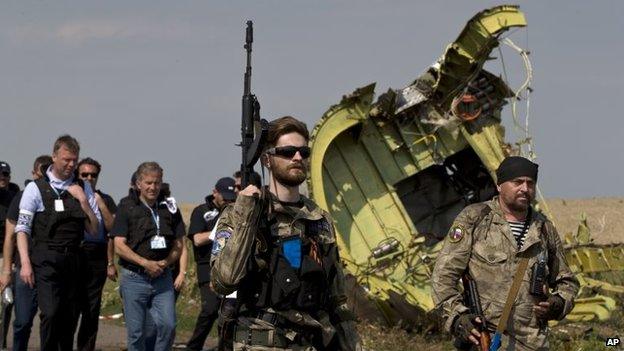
(148,239)
(280,254)
(96,260)
(25,297)
(55,211)
(494,242)
(203,219)
(8,191)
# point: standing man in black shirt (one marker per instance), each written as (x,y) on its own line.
(8,191)
(96,260)
(25,297)
(148,238)
(203,219)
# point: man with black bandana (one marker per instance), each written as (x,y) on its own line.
(278,249)
(490,241)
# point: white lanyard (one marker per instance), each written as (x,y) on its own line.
(155,217)
(58,195)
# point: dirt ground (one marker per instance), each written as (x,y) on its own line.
(604,216)
(605,221)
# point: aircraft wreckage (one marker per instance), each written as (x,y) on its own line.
(395,172)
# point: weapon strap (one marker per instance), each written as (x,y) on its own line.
(513,292)
(515,284)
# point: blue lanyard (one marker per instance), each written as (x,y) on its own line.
(155,217)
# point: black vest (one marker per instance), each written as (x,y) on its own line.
(141,229)
(278,285)
(6,196)
(58,228)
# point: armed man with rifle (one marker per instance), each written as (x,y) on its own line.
(278,248)
(514,256)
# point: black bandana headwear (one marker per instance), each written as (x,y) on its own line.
(515,166)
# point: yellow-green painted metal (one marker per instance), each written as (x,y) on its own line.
(356,160)
(362,148)
(473,47)
(592,308)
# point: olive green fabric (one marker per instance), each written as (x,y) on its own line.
(235,237)
(486,247)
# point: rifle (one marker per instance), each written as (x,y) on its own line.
(471,298)
(254,130)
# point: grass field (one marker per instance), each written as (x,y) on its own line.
(605,222)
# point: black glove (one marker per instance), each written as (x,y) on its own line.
(556,307)
(463,325)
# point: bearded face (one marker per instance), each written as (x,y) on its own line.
(288,161)
(517,194)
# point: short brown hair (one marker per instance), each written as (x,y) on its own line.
(285,125)
(148,167)
(43,161)
(69,142)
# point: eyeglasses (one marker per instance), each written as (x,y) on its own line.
(87,175)
(6,174)
(290,151)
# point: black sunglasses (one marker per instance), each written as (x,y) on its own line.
(6,174)
(290,151)
(87,174)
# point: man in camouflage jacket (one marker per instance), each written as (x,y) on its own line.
(278,250)
(488,240)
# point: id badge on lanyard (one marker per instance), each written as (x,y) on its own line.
(58,203)
(158,241)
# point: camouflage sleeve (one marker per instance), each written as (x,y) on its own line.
(224,228)
(451,263)
(561,279)
(237,231)
(346,330)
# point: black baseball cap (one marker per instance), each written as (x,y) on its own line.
(226,187)
(4,167)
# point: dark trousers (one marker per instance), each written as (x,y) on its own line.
(56,277)
(228,313)
(25,311)
(93,264)
(6,320)
(208,315)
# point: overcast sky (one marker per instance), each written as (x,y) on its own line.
(162,80)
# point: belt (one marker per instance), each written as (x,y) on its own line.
(134,268)
(94,244)
(273,318)
(268,338)
(64,249)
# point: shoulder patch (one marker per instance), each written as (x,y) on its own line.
(219,242)
(456,234)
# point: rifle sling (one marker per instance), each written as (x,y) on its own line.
(513,292)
